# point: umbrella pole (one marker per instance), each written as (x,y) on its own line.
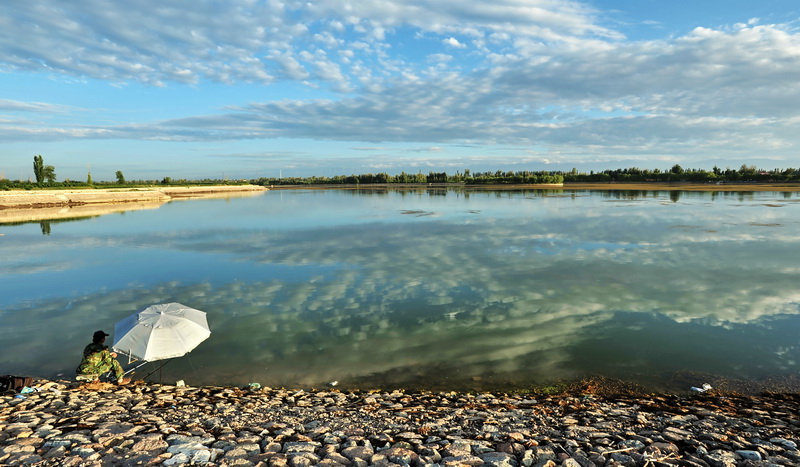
(135,368)
(157,369)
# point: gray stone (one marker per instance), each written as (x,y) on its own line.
(787,444)
(338,458)
(58,451)
(201,456)
(398,455)
(23,459)
(250,448)
(299,459)
(358,452)
(633,444)
(460,461)
(676,434)
(152,442)
(544,453)
(271,446)
(57,442)
(290,447)
(16,449)
(663,449)
(78,438)
(499,459)
(183,439)
(178,459)
(692,461)
(458,448)
(749,455)
(528,458)
(622,459)
(582,459)
(86,453)
(224,444)
(720,458)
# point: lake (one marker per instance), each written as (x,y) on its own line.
(425,288)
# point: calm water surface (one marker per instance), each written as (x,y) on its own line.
(428,289)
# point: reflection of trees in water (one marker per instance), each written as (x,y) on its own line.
(45,225)
(675,195)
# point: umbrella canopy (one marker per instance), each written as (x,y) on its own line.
(167,330)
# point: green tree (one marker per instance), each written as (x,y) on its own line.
(89,179)
(120,177)
(49,173)
(38,169)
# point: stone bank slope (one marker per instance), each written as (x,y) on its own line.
(166,425)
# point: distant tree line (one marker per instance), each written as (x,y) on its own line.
(46,178)
(6,184)
(745,174)
(477,178)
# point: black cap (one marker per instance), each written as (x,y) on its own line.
(99,335)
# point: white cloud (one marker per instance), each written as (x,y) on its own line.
(453,42)
(9,105)
(539,73)
(289,66)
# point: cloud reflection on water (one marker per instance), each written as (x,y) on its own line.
(522,294)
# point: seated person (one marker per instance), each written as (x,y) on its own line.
(98,360)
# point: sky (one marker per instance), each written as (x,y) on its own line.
(266,88)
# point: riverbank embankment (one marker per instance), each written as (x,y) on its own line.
(35,205)
(19,199)
(151,424)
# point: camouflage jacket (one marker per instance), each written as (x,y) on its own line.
(96,359)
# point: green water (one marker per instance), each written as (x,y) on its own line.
(440,289)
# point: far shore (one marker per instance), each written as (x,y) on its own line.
(639,186)
(22,205)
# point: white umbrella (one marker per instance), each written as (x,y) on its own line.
(158,332)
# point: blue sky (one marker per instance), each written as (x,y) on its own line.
(251,88)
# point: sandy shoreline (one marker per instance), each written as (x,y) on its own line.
(56,198)
(40,205)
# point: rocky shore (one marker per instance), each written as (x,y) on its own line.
(62,423)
